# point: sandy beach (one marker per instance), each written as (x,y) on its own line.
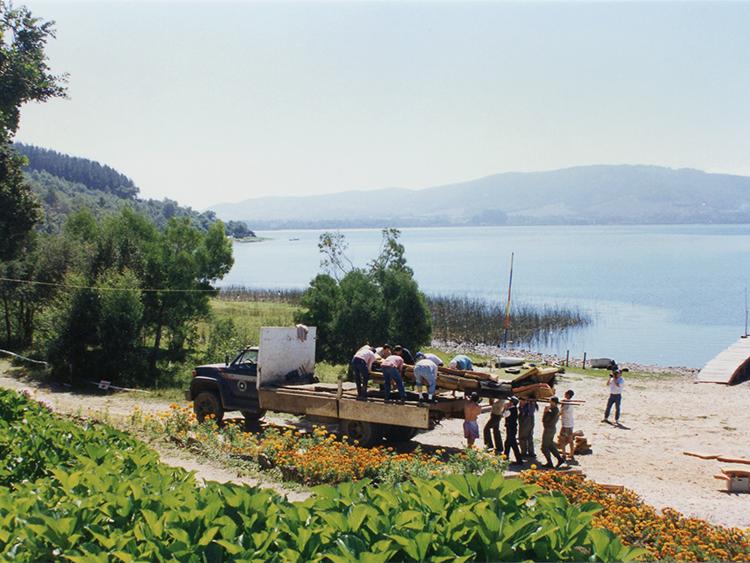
(661,418)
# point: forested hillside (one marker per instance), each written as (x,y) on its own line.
(66,184)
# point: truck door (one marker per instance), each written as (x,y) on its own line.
(242,377)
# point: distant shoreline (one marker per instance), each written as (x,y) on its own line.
(433,226)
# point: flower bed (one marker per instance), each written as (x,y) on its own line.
(310,458)
(666,536)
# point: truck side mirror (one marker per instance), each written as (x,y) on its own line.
(226,359)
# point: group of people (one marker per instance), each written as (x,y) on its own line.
(519,416)
(392,362)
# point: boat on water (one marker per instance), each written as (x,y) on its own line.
(293,239)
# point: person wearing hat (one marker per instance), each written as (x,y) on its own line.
(616,383)
(427,356)
(549,420)
(511,430)
(472,410)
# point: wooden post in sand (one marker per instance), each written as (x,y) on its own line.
(584,360)
(567,358)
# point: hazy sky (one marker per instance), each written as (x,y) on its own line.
(209,102)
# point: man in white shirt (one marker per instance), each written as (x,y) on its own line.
(616,384)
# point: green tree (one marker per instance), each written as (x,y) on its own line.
(19,209)
(319,306)
(186,262)
(379,304)
(24,77)
(120,320)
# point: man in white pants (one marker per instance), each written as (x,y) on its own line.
(425,371)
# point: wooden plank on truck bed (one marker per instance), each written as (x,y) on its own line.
(298,402)
(382,413)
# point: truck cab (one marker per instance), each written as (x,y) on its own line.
(231,386)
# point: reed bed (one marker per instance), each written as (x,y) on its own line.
(241,293)
(478,321)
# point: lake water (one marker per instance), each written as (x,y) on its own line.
(665,295)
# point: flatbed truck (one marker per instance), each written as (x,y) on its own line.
(278,376)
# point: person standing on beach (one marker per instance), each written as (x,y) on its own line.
(361,364)
(511,430)
(549,419)
(491,431)
(472,410)
(526,414)
(616,383)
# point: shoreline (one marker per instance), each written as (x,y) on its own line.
(555,360)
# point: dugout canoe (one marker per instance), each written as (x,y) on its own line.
(509,361)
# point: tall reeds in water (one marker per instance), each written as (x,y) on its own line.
(477,321)
(460,319)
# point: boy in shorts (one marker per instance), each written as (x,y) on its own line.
(566,432)
(472,410)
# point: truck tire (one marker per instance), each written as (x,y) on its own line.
(253,416)
(366,434)
(208,403)
(397,434)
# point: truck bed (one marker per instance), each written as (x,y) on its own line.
(320,399)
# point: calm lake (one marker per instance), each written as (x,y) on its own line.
(665,295)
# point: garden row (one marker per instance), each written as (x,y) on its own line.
(91,493)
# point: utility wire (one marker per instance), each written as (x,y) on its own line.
(74,286)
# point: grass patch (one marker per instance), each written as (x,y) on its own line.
(633,374)
(249,316)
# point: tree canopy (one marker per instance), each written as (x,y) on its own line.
(24,77)
(352,306)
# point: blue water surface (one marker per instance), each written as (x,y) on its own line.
(667,295)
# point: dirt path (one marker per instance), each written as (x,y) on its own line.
(117,408)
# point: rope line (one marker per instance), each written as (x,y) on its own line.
(91,288)
(23,357)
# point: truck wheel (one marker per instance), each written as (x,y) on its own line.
(397,434)
(367,434)
(208,403)
(253,416)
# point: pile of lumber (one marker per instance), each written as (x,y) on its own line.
(536,383)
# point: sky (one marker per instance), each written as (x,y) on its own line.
(207,102)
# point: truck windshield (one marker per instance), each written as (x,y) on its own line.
(247,357)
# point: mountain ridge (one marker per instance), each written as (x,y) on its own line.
(593,194)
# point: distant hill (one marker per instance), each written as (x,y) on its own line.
(65,184)
(619,194)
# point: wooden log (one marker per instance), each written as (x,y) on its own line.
(702,456)
(733,460)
